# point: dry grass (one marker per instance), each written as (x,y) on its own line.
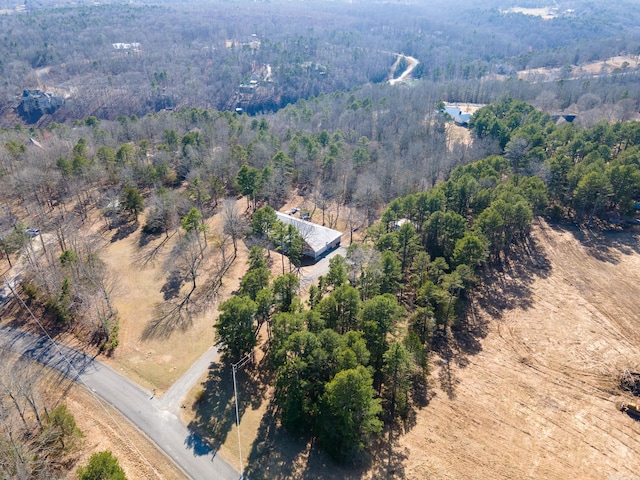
(138,457)
(538,399)
(158,362)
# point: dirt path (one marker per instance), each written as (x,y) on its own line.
(538,400)
(406,75)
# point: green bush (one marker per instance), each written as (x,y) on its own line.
(102,466)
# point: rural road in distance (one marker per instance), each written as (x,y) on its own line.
(193,456)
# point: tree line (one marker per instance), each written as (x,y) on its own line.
(133,170)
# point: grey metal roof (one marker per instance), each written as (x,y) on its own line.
(315,236)
(453,111)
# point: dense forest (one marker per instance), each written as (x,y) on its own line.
(123,58)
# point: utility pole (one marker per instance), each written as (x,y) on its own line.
(241,363)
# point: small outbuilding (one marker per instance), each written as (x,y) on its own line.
(397,225)
(318,240)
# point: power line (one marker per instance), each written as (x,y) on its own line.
(78,378)
(243,361)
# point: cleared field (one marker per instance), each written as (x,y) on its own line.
(538,400)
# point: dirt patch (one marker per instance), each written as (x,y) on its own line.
(457,135)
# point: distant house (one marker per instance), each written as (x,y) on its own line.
(36,103)
(462,120)
(318,240)
(399,223)
(126,46)
(563,118)
(453,111)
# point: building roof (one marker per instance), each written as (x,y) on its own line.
(462,119)
(315,236)
(453,111)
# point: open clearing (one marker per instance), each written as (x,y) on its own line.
(546,13)
(538,399)
(619,64)
(157,362)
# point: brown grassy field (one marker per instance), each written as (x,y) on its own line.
(158,361)
(538,399)
(617,64)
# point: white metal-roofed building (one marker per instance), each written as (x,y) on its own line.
(318,240)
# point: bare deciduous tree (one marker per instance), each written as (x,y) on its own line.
(235,224)
(35,438)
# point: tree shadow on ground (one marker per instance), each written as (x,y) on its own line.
(125,229)
(178,310)
(20,318)
(214,409)
(507,285)
(468,332)
(444,346)
(172,286)
(147,237)
(389,459)
(277,454)
(604,245)
(199,447)
(169,317)
(421,395)
(146,257)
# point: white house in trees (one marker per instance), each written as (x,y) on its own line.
(317,239)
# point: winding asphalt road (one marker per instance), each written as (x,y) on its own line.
(149,414)
(156,417)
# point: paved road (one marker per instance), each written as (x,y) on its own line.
(195,458)
(311,274)
(172,399)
